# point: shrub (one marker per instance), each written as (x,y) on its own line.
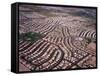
(30,36)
